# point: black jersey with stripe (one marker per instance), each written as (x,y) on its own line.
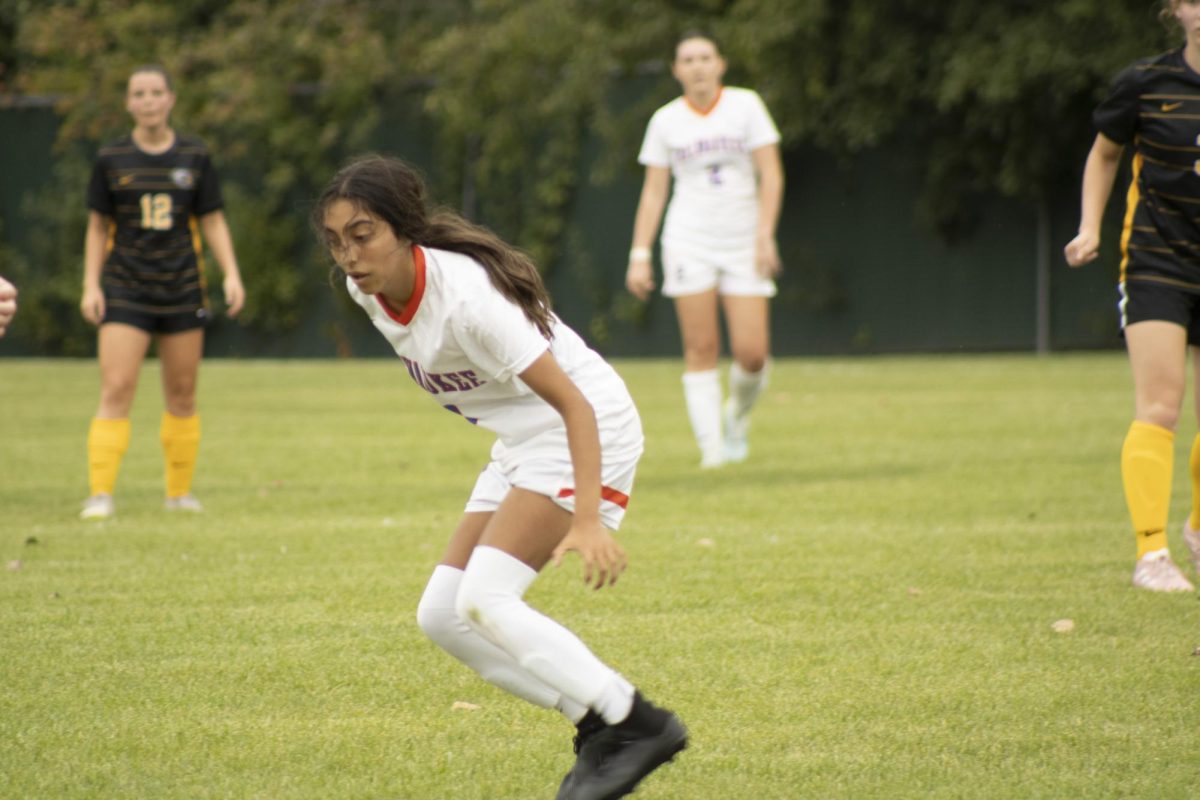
(1155,105)
(153,200)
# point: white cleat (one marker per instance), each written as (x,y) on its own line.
(187,502)
(98,506)
(1158,573)
(1192,539)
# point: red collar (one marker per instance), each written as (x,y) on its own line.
(405,315)
(704,112)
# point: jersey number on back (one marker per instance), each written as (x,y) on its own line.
(156,211)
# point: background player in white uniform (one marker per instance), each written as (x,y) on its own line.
(471,320)
(722,148)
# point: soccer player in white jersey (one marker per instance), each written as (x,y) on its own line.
(471,319)
(721,146)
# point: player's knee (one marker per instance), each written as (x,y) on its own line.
(436,616)
(117,393)
(470,603)
(752,363)
(437,623)
(479,605)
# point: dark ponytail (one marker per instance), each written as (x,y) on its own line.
(394,191)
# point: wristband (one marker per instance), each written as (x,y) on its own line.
(639,254)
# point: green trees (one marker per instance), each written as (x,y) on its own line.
(995,97)
(497,98)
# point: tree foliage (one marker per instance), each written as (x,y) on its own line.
(992,97)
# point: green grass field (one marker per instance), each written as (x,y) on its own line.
(862,610)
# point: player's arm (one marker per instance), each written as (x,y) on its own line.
(768,165)
(639,278)
(603,558)
(216,233)
(95,246)
(1098,175)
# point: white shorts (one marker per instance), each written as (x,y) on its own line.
(542,465)
(692,270)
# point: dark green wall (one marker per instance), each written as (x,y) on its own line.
(862,273)
(26,140)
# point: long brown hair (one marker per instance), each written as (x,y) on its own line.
(1166,15)
(394,191)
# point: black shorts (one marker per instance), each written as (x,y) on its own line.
(1144,300)
(155,319)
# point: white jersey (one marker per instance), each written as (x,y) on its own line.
(466,344)
(714,203)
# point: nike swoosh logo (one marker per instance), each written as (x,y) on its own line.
(1171,106)
(125,180)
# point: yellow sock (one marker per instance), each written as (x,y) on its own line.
(181,442)
(1194,468)
(1146,474)
(107,441)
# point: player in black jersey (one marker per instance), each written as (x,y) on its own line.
(1154,106)
(151,195)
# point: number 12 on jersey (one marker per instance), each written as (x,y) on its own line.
(156,211)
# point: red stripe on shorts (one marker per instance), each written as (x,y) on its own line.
(606,493)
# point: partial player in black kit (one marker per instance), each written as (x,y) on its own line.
(1153,106)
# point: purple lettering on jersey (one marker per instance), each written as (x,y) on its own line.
(418,375)
(457,379)
(717,144)
(456,410)
(437,383)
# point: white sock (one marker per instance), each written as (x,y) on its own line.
(702,393)
(745,387)
(441,623)
(490,601)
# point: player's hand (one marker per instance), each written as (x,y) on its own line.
(8,304)
(235,294)
(92,304)
(603,558)
(639,278)
(766,256)
(1082,249)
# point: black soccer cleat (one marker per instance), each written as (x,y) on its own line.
(591,724)
(613,760)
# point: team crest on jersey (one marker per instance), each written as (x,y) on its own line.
(182,178)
